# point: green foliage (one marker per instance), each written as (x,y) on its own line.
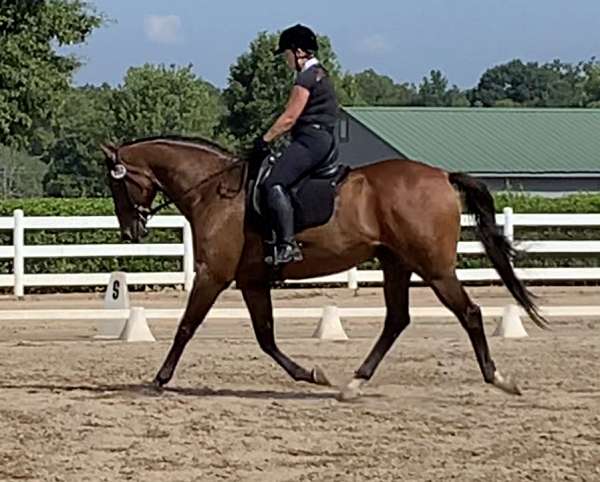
(33,76)
(260,83)
(257,90)
(554,84)
(591,86)
(522,203)
(381,90)
(64,207)
(20,174)
(76,164)
(156,100)
(434,92)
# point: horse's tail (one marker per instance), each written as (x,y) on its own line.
(480,203)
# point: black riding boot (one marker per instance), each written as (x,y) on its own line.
(282,213)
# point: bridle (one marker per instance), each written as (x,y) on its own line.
(120,173)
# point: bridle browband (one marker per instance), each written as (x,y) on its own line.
(120,172)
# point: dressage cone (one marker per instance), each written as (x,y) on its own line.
(510,326)
(115,298)
(330,326)
(136,328)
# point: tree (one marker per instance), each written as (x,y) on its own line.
(33,76)
(75,163)
(259,85)
(434,92)
(591,84)
(554,84)
(433,89)
(20,174)
(157,100)
(381,90)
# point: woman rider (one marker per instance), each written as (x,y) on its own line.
(310,116)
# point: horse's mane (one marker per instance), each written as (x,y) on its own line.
(201,141)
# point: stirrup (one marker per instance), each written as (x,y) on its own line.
(286,252)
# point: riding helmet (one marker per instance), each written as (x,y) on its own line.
(297,37)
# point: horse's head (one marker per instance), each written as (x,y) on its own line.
(133,191)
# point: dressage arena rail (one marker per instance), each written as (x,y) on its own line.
(19,251)
(427,312)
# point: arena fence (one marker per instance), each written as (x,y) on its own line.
(19,252)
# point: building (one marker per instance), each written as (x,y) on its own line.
(539,151)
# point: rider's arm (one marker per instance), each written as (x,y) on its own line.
(295,106)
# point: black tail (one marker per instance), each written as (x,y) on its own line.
(480,203)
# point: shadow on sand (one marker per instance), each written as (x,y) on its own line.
(149,390)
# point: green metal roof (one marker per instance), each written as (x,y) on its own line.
(491,141)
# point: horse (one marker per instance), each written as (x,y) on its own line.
(404,212)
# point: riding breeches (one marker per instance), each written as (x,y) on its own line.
(307,150)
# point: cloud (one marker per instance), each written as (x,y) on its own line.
(163,29)
(374,44)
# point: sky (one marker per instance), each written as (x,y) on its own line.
(404,39)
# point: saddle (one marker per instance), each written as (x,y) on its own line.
(312,196)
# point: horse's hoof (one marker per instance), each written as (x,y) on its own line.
(319,377)
(506,384)
(157,385)
(351,392)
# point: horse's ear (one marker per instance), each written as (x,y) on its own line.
(110,151)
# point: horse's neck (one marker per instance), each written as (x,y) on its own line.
(183,179)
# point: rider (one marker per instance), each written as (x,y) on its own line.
(310,115)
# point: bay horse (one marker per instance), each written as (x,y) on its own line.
(404,212)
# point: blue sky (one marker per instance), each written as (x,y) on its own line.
(404,39)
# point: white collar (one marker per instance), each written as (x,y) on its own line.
(309,63)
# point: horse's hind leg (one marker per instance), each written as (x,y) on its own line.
(397,318)
(452,295)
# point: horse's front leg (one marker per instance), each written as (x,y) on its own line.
(204,292)
(258,301)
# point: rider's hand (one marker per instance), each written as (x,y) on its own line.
(260,149)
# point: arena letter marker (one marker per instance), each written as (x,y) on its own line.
(115,298)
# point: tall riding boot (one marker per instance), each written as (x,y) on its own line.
(282,212)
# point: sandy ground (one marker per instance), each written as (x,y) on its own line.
(76,409)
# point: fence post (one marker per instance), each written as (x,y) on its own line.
(353,278)
(509,229)
(19,258)
(188,256)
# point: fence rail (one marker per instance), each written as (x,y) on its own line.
(19,251)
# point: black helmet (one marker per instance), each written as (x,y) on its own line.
(297,37)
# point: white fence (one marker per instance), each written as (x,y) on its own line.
(19,251)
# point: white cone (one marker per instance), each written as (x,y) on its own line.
(136,328)
(115,298)
(511,325)
(330,327)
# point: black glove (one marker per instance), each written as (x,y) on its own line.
(260,149)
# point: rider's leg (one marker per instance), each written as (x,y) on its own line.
(294,160)
(282,213)
(307,150)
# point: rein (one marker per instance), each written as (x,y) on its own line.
(146,213)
